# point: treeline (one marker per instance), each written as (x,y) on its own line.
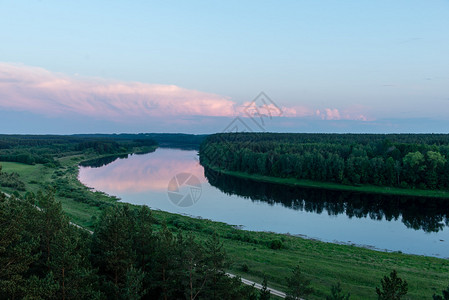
(129,256)
(175,140)
(398,160)
(43,149)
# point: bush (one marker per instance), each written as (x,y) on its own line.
(244,267)
(276,244)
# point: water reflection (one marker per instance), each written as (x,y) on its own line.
(427,214)
(135,175)
(103,161)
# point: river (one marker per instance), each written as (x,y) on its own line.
(172,180)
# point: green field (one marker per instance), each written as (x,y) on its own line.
(359,270)
(38,177)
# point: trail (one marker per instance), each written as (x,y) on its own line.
(259,286)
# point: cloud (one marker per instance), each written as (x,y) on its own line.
(40,91)
(352,113)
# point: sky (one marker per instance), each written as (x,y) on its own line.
(200,66)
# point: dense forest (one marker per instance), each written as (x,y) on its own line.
(174,140)
(43,149)
(38,149)
(129,256)
(397,160)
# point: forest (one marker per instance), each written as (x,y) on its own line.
(409,161)
(128,256)
(38,149)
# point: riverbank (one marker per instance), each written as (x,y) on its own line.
(252,255)
(371,189)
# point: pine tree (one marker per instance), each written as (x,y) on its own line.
(70,265)
(112,247)
(165,273)
(41,288)
(393,287)
(298,285)
(51,220)
(144,239)
(134,286)
(17,246)
(194,266)
(145,244)
(215,258)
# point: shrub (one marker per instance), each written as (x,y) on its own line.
(276,244)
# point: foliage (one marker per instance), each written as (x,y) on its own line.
(413,161)
(11,180)
(298,285)
(393,287)
(264,293)
(43,256)
(445,295)
(276,244)
(337,293)
(35,149)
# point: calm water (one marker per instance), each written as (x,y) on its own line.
(410,225)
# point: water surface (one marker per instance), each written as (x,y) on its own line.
(407,224)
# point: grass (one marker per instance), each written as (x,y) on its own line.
(81,205)
(358,269)
(363,188)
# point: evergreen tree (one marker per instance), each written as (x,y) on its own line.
(112,247)
(17,246)
(194,267)
(51,221)
(41,288)
(165,269)
(393,287)
(145,244)
(298,285)
(134,288)
(70,265)
(215,259)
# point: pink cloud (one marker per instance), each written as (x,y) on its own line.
(38,90)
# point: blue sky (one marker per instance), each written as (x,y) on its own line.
(332,66)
